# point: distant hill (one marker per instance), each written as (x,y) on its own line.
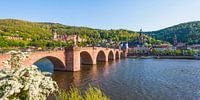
(188,33)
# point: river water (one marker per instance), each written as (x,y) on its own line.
(138,79)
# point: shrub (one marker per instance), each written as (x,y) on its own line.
(19,82)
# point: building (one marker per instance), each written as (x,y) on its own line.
(17,38)
(64,37)
(162,47)
(181,46)
(139,50)
(141,38)
(175,42)
(14,37)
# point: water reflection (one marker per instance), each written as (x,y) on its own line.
(76,81)
(45,65)
(138,79)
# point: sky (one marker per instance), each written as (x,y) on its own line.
(150,15)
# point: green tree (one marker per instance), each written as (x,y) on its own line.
(191,52)
(178,52)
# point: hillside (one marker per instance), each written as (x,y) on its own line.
(12,27)
(188,33)
(40,33)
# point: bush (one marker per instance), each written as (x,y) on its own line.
(19,82)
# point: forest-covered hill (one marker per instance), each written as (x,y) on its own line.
(40,34)
(188,33)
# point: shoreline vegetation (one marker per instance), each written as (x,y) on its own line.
(165,54)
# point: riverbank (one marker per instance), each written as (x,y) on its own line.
(175,57)
(164,57)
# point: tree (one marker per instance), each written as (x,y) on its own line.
(178,52)
(199,51)
(166,52)
(172,52)
(191,52)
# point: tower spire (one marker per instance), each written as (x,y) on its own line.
(175,41)
(141,38)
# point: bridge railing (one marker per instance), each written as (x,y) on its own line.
(48,49)
(32,50)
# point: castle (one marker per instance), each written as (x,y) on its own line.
(64,37)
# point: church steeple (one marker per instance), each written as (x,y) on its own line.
(140,31)
(141,38)
(175,40)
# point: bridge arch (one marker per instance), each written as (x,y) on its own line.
(46,61)
(101,56)
(86,58)
(110,55)
(121,55)
(117,55)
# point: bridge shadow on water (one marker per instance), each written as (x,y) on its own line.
(45,65)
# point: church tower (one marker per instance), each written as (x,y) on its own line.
(175,41)
(141,38)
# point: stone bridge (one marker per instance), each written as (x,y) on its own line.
(71,59)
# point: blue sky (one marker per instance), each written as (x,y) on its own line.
(104,14)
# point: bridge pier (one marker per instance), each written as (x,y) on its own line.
(72,59)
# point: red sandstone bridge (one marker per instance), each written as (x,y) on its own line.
(71,59)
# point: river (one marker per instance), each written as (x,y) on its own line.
(138,79)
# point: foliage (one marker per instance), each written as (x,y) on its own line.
(191,52)
(40,34)
(178,52)
(199,51)
(92,93)
(173,52)
(166,52)
(72,94)
(19,82)
(188,33)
